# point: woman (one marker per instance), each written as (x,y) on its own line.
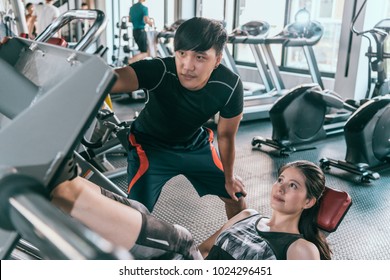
(290,233)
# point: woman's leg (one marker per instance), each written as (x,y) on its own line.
(114,221)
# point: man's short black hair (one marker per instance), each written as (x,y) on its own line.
(200,34)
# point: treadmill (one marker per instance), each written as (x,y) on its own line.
(297,35)
(258,98)
(165,37)
(325,111)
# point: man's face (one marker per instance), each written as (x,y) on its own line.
(194,68)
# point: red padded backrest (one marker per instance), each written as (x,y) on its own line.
(58,41)
(54,41)
(334,204)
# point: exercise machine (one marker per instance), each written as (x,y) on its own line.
(325,112)
(367,131)
(258,98)
(31,165)
(300,117)
(380,33)
(252,34)
(7,24)
(301,33)
(367,135)
(125,48)
(48,158)
(109,138)
(165,38)
(99,23)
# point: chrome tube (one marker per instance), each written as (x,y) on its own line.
(92,34)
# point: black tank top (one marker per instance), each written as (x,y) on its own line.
(243,241)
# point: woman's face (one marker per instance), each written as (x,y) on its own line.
(289,192)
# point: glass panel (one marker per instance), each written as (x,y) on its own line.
(269,11)
(329,14)
(213,9)
(156,11)
(170,16)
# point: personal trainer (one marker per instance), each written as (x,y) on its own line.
(168,137)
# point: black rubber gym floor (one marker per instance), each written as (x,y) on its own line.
(364,233)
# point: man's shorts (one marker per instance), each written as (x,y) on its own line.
(150,166)
(141,39)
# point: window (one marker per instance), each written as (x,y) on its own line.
(270,11)
(156,11)
(329,14)
(218,9)
(212,9)
(169,12)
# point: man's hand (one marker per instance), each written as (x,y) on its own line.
(235,188)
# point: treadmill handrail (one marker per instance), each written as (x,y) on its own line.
(92,34)
(290,38)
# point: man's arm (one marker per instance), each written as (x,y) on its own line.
(227,130)
(127,80)
(149,21)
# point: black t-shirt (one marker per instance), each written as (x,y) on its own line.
(172,113)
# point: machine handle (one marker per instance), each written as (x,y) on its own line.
(331,99)
(92,34)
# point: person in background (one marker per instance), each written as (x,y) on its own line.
(291,233)
(139,17)
(46,15)
(85,24)
(31,20)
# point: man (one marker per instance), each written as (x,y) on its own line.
(46,14)
(85,24)
(139,17)
(185,91)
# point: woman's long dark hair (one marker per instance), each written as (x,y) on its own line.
(315,185)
